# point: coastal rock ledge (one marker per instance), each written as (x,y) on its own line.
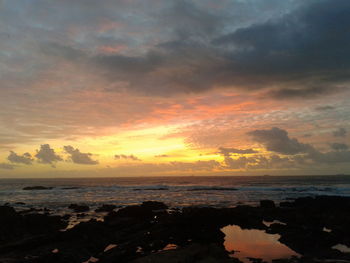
(313,227)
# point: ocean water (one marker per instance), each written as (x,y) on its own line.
(219,191)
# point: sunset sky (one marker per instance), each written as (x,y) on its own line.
(158,87)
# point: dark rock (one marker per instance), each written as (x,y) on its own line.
(267,204)
(195,231)
(15,226)
(38,187)
(79,208)
(80,215)
(154,205)
(135,211)
(105,208)
(39,223)
(20,203)
(66,217)
(192,253)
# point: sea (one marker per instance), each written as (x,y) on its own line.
(177,192)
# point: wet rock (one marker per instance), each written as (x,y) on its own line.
(105,208)
(79,208)
(37,187)
(267,204)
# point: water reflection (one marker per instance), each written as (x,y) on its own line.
(342,248)
(255,244)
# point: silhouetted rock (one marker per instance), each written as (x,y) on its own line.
(15,226)
(192,253)
(135,211)
(79,208)
(268,204)
(38,187)
(80,215)
(154,205)
(141,232)
(105,208)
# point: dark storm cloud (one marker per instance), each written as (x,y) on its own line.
(126,157)
(310,39)
(296,49)
(277,140)
(339,146)
(188,20)
(341,132)
(47,155)
(25,158)
(78,157)
(306,53)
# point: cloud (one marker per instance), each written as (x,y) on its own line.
(126,157)
(6,166)
(161,156)
(261,162)
(78,157)
(47,155)
(301,92)
(339,146)
(305,47)
(277,140)
(300,54)
(229,151)
(341,132)
(25,158)
(332,157)
(325,108)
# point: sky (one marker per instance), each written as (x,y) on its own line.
(157,88)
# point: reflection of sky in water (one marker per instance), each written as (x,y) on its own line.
(254,243)
(342,248)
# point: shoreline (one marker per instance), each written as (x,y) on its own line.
(142,233)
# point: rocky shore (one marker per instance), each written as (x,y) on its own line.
(152,232)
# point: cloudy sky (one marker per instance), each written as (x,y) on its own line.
(154,87)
